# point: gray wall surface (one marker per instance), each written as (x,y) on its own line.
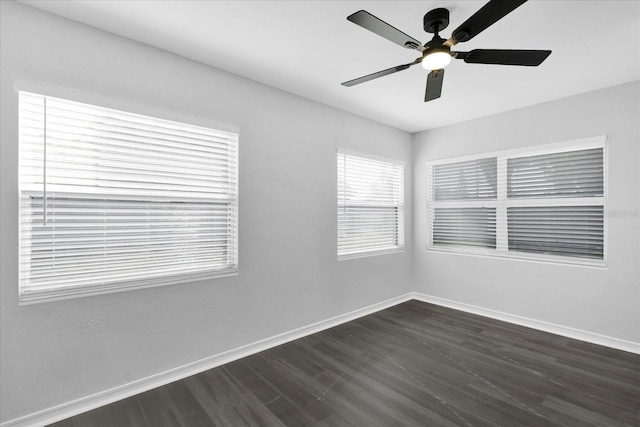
(604,301)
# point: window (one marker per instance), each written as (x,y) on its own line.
(546,204)
(462,216)
(110,199)
(370,206)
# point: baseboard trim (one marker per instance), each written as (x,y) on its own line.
(84,404)
(578,334)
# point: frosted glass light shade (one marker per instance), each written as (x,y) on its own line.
(436,60)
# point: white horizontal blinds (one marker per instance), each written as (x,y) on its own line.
(575,231)
(464,226)
(474,179)
(576,173)
(370,205)
(463,211)
(129,200)
(545,204)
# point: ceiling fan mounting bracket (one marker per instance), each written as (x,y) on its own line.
(436,20)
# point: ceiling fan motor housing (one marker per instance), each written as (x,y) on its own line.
(436,20)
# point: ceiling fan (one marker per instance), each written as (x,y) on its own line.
(437,54)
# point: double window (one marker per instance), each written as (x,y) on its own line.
(110,199)
(546,204)
(370,206)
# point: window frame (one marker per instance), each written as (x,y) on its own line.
(29,296)
(400,208)
(501,203)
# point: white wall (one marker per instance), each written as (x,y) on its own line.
(54,352)
(602,301)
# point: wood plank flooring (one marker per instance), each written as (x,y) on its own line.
(414,364)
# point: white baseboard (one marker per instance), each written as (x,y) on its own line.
(106,397)
(578,334)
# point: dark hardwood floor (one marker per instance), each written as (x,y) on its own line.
(414,364)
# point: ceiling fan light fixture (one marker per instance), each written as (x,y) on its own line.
(436,53)
(436,60)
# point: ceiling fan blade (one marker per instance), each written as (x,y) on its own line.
(488,15)
(380,74)
(531,58)
(381,28)
(434,85)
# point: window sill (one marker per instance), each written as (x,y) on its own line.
(370,253)
(71,293)
(542,259)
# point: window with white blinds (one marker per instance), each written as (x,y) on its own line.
(463,212)
(110,199)
(571,230)
(370,206)
(465,226)
(468,180)
(546,204)
(576,173)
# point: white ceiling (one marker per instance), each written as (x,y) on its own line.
(309,48)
